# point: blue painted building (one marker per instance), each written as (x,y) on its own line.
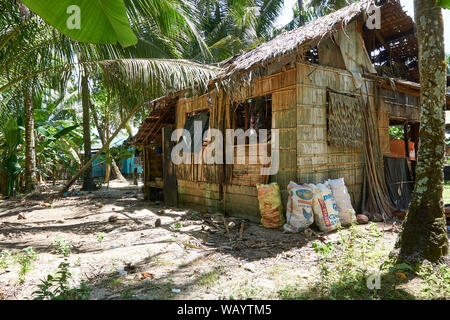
(126,165)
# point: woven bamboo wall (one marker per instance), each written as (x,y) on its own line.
(299,111)
(240,198)
(212,102)
(284,116)
(317,161)
(199,195)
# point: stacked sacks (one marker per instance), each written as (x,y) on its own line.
(270,205)
(326,215)
(299,213)
(342,197)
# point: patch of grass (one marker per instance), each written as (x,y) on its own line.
(5,259)
(177,225)
(100,236)
(25,260)
(210,278)
(115,283)
(56,286)
(62,246)
(348,265)
(290,292)
(128,294)
(247,292)
(436,280)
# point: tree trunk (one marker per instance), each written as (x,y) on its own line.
(424,234)
(89,164)
(30,148)
(114,166)
(300,9)
(88,181)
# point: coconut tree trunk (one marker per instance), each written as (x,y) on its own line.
(30,148)
(88,181)
(424,234)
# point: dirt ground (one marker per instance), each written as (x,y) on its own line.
(189,256)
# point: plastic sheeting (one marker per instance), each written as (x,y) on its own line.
(399,181)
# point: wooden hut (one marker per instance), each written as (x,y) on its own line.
(316,84)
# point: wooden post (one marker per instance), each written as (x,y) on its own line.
(170,188)
(405,137)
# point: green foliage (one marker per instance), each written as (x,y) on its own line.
(210,278)
(5,259)
(443,4)
(56,287)
(9,161)
(99,23)
(345,267)
(62,246)
(25,260)
(100,236)
(396,132)
(436,281)
(230,27)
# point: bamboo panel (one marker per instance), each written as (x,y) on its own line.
(288,77)
(310,133)
(283,100)
(316,115)
(199,185)
(242,205)
(287,158)
(266,86)
(242,190)
(311,148)
(383,119)
(199,202)
(311,95)
(283,177)
(287,138)
(276,81)
(284,118)
(248,180)
(329,54)
(199,191)
(308,74)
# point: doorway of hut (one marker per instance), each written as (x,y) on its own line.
(153,160)
(400,164)
(151,137)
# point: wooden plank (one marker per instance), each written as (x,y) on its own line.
(170,180)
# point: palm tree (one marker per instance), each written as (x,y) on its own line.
(229,27)
(424,234)
(88,181)
(30,49)
(313,10)
(30,151)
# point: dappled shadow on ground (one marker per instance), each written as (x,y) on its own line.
(200,236)
(150,288)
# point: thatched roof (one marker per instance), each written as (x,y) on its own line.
(395,25)
(394,44)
